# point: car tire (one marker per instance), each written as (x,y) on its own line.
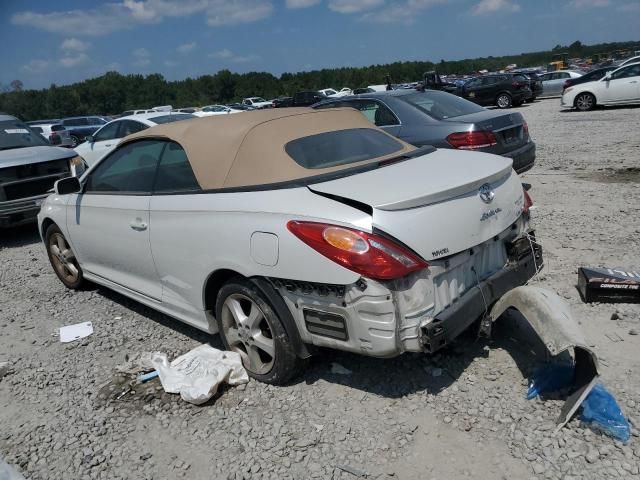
(504,100)
(75,141)
(531,100)
(62,259)
(250,325)
(585,102)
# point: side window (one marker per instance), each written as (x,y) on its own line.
(632,71)
(376,113)
(128,170)
(174,172)
(37,129)
(130,127)
(108,132)
(564,75)
(476,82)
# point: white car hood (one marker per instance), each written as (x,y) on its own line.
(29,155)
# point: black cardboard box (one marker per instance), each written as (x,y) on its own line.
(609,285)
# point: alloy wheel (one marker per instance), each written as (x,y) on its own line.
(584,102)
(504,101)
(248,332)
(62,257)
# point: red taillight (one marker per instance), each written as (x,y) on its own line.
(525,129)
(567,84)
(472,140)
(369,255)
(528,202)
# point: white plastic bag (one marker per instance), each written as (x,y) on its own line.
(197,374)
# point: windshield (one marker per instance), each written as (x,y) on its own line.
(15,134)
(341,147)
(258,99)
(171,118)
(441,105)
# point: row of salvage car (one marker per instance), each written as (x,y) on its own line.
(285,230)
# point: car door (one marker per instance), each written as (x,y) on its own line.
(108,222)
(104,141)
(623,86)
(471,88)
(177,266)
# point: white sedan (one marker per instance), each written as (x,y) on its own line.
(106,139)
(619,87)
(210,110)
(284,229)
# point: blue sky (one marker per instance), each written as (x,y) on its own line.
(64,41)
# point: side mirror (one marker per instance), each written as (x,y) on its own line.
(607,76)
(89,139)
(67,185)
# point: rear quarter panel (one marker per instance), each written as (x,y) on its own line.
(192,236)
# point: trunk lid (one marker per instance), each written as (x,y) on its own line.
(432,203)
(507,127)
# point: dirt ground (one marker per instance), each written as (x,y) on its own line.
(460,414)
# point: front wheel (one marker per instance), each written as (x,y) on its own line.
(504,100)
(75,141)
(585,102)
(250,326)
(62,259)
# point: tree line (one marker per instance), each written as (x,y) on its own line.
(113,93)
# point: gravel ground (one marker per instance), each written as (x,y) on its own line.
(459,414)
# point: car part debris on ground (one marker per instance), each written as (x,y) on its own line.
(609,285)
(551,320)
(197,374)
(599,409)
(71,333)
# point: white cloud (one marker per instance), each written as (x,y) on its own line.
(224,53)
(170,63)
(354,6)
(125,14)
(141,53)
(589,3)
(141,56)
(74,45)
(301,3)
(74,61)
(229,56)
(35,66)
(495,6)
(404,12)
(186,48)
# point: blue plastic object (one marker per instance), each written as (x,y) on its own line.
(551,378)
(601,411)
(145,377)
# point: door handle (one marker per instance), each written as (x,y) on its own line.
(138,225)
(633,81)
(108,145)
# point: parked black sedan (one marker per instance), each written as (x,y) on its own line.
(445,121)
(503,90)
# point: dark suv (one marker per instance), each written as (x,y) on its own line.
(503,90)
(80,127)
(307,98)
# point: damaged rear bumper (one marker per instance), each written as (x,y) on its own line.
(525,261)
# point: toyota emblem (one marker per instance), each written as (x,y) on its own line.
(487,194)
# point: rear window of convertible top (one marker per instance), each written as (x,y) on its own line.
(341,147)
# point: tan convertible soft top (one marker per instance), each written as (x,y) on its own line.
(246,149)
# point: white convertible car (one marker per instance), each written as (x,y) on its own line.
(286,229)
